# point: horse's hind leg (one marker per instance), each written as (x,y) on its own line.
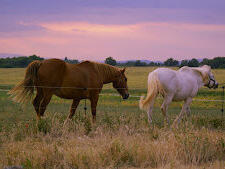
(44,102)
(164,108)
(36,102)
(150,111)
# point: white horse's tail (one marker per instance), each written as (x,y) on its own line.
(154,87)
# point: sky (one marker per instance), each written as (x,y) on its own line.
(124,29)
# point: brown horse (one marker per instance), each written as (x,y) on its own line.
(69,81)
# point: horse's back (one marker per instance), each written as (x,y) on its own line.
(85,71)
(180,83)
(82,75)
(51,72)
(165,75)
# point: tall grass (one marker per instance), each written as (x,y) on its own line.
(81,144)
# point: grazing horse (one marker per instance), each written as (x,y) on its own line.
(180,85)
(69,81)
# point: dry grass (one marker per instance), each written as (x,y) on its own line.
(82,145)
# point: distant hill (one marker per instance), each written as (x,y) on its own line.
(146,61)
(5,55)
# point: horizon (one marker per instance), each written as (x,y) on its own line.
(124,30)
(119,61)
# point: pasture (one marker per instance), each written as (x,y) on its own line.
(121,137)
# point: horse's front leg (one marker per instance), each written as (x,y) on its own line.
(94,101)
(73,108)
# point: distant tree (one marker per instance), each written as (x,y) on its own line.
(205,61)
(66,59)
(129,63)
(71,61)
(184,63)
(193,63)
(152,64)
(218,62)
(139,63)
(110,61)
(171,62)
(21,61)
(34,57)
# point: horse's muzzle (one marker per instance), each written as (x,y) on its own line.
(125,96)
(215,86)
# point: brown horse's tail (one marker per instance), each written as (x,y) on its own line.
(22,92)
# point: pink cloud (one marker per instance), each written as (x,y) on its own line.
(83,40)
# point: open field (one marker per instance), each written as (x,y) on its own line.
(121,137)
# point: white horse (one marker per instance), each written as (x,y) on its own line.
(180,85)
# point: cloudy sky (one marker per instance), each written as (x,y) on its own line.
(123,29)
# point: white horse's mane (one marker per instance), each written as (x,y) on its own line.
(203,71)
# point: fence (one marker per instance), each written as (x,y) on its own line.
(221,101)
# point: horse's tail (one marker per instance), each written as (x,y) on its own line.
(22,92)
(153,90)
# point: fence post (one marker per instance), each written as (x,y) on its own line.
(85,107)
(222,101)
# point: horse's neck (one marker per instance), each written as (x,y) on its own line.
(198,77)
(108,73)
(194,74)
(200,82)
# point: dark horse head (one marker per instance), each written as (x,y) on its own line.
(120,84)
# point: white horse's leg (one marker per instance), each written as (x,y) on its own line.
(150,111)
(185,108)
(188,112)
(167,100)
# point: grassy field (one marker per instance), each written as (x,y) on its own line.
(121,137)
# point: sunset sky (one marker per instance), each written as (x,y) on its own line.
(123,29)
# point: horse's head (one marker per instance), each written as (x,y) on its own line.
(208,78)
(120,84)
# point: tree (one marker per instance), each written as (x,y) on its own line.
(193,63)
(110,61)
(21,61)
(205,61)
(71,61)
(184,63)
(171,62)
(66,59)
(218,62)
(139,63)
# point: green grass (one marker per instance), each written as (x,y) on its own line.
(118,122)
(137,81)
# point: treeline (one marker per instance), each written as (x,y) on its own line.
(217,62)
(23,61)
(18,62)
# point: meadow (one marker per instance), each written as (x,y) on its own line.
(121,137)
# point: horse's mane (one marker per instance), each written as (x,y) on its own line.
(203,71)
(107,71)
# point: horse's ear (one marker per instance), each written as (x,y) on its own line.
(123,70)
